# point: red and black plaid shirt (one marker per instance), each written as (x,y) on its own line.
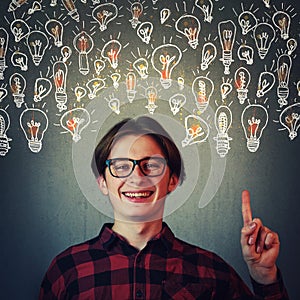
(107,267)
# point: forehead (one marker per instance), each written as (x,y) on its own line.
(135,146)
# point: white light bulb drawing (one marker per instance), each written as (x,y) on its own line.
(99,66)
(225,88)
(111,51)
(284,65)
(60,72)
(164,15)
(55,29)
(71,8)
(34,123)
(207,7)
(247,21)
(15,4)
(83,44)
(176,102)
(115,77)
(298,87)
(164,59)
(4,39)
(242,80)
(37,43)
(36,6)
(151,95)
(79,92)
(209,53)
(254,120)
(202,89)
(282,21)
(291,45)
(19,29)
(104,14)
(131,86)
(266,82)
(246,53)
(196,130)
(3,93)
(94,86)
(264,35)
(53,3)
(42,88)
(141,66)
(20,59)
(66,53)
(114,105)
(227,31)
(290,119)
(267,3)
(75,121)
(190,27)
(180,82)
(136,10)
(17,86)
(4,126)
(144,31)
(223,120)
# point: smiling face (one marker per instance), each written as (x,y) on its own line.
(137,198)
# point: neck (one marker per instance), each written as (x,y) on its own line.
(137,234)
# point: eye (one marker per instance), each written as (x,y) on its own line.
(121,166)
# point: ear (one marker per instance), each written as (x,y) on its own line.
(173,183)
(102,185)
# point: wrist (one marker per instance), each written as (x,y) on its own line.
(264,275)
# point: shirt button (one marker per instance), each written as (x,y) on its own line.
(139,294)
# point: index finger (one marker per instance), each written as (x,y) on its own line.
(246,208)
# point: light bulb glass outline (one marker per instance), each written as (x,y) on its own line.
(225,88)
(60,73)
(80,92)
(291,45)
(3,93)
(144,32)
(246,53)
(15,4)
(36,6)
(99,66)
(164,15)
(111,51)
(266,82)
(242,78)
(247,21)
(282,21)
(114,105)
(20,59)
(151,95)
(4,40)
(284,65)
(206,7)
(141,66)
(115,77)
(209,53)
(71,8)
(56,30)
(17,84)
(4,127)
(176,102)
(136,10)
(19,29)
(131,82)
(290,119)
(104,14)
(66,53)
(94,86)
(37,43)
(42,88)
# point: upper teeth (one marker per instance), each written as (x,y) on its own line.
(141,194)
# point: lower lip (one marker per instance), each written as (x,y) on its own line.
(137,199)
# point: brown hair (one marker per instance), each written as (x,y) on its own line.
(141,126)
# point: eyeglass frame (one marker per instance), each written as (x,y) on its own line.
(136,162)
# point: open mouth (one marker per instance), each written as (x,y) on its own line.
(138,195)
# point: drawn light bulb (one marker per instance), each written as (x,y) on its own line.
(267,3)
(290,119)
(164,15)
(164,59)
(176,102)
(19,59)
(130,86)
(72,10)
(34,123)
(60,72)
(115,77)
(196,129)
(202,88)
(284,64)
(180,82)
(84,44)
(42,88)
(207,7)
(99,65)
(190,27)
(144,31)
(141,66)
(227,31)
(264,35)
(4,126)
(282,21)
(114,105)
(151,95)
(15,4)
(4,39)
(136,10)
(75,121)
(209,53)
(242,79)
(111,51)
(37,43)
(225,89)
(104,14)
(53,3)
(94,86)
(223,120)
(36,6)
(298,87)
(17,86)
(19,29)
(247,21)
(254,120)
(291,46)
(266,82)
(80,92)
(66,52)
(246,53)
(55,29)
(3,93)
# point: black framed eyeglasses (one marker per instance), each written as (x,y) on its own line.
(149,166)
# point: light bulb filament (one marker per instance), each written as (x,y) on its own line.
(34,129)
(253,127)
(59,79)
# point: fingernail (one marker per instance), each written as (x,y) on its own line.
(258,249)
(252,225)
(251,240)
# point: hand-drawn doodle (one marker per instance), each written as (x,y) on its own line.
(37,43)
(4,126)
(136,10)
(3,93)
(131,83)
(56,30)
(207,7)
(66,52)
(290,119)
(99,66)
(79,92)
(165,13)
(291,45)
(176,102)
(36,6)
(115,77)
(266,82)
(94,86)
(17,85)
(42,88)
(15,4)
(242,80)
(19,59)
(60,72)
(104,14)
(225,88)
(141,66)
(282,21)
(284,65)
(19,29)
(247,21)
(111,51)
(209,53)
(246,53)
(144,31)
(114,104)
(71,8)
(4,39)
(151,95)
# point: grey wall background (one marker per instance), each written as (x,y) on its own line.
(43,210)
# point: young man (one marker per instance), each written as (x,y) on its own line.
(138,257)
